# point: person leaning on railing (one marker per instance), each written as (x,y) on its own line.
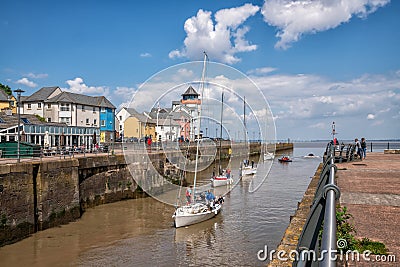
(363,148)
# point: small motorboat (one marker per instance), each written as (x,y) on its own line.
(311,156)
(221,180)
(285,159)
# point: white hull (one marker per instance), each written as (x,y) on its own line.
(192,214)
(249,170)
(268,156)
(221,181)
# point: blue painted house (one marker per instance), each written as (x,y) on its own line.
(107,120)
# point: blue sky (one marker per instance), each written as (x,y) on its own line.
(315,61)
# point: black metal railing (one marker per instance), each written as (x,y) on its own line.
(313,250)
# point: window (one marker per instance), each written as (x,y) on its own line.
(48,119)
(103,109)
(87,121)
(25,120)
(120,127)
(29,106)
(49,105)
(65,120)
(64,107)
(120,118)
(103,122)
(95,121)
(83,108)
(94,109)
(39,105)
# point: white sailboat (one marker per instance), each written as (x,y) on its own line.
(196,212)
(247,168)
(268,155)
(224,176)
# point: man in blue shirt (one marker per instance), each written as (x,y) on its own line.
(209,196)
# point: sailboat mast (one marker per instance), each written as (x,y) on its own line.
(203,76)
(220,136)
(244,119)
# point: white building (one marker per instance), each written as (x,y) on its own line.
(79,110)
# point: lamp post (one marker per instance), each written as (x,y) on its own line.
(19,91)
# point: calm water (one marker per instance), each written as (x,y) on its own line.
(140,232)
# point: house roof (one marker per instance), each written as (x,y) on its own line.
(190,91)
(49,95)
(99,101)
(4,96)
(140,116)
(42,94)
(7,121)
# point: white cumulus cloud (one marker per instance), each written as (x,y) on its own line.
(145,55)
(295,18)
(370,116)
(37,76)
(78,86)
(221,40)
(26,82)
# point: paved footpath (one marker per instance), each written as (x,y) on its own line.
(371,191)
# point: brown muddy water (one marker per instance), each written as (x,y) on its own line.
(140,232)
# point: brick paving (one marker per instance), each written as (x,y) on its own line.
(371,192)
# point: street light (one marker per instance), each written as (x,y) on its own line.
(19,91)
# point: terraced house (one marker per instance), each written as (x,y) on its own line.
(55,105)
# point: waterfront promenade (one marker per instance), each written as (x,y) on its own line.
(370,189)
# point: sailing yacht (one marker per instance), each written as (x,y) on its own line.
(224,176)
(197,210)
(247,168)
(268,155)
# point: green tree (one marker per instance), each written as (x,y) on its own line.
(6,89)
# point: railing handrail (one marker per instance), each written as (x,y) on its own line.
(323,210)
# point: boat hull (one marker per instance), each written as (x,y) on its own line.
(221,181)
(249,171)
(283,160)
(268,156)
(185,217)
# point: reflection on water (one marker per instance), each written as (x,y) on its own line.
(140,232)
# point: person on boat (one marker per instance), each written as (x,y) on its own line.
(209,196)
(219,200)
(189,194)
(228,173)
(252,164)
(210,199)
